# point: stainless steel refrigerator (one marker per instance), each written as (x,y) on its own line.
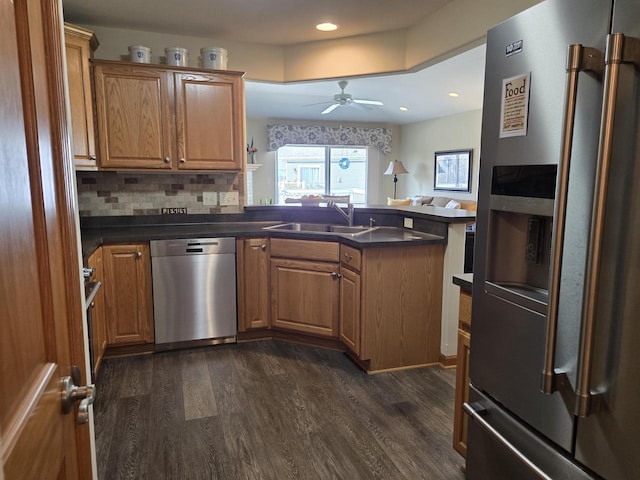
(555,335)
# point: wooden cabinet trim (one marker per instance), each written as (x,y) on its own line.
(350,299)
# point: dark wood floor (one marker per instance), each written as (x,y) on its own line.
(271,410)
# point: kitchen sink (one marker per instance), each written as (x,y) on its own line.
(319,227)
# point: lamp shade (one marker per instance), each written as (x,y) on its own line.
(395,168)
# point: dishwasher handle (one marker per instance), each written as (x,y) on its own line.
(194,250)
(192,246)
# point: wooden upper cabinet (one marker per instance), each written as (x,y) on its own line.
(79,45)
(159,117)
(133,116)
(209,111)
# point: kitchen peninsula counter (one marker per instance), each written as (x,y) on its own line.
(430,225)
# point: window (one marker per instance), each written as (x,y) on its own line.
(321,170)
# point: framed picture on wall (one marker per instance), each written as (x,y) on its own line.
(452,170)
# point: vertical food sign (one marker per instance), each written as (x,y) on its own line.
(514,110)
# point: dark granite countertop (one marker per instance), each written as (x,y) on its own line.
(93,237)
(464,281)
(430,226)
(440,214)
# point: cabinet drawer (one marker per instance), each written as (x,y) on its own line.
(350,257)
(305,249)
(464,316)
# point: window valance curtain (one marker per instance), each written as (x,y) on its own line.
(280,135)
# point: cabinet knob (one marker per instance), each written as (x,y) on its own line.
(138,254)
(92,158)
(348,257)
(167,160)
(182,160)
(263,247)
(336,275)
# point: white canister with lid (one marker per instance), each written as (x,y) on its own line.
(214,57)
(177,56)
(140,54)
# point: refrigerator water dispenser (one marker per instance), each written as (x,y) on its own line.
(520,227)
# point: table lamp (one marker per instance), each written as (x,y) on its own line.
(395,167)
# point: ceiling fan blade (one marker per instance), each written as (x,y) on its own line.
(318,103)
(367,102)
(330,109)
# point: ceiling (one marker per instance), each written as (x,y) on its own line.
(273,22)
(424,93)
(287,22)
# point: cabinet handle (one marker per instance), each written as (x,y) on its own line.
(348,257)
(182,160)
(167,160)
(263,247)
(138,254)
(92,158)
(336,275)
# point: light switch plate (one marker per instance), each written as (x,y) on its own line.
(408,222)
(229,198)
(209,198)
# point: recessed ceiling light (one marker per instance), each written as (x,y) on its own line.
(327,27)
(454,94)
(404,109)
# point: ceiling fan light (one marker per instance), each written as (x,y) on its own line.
(326,27)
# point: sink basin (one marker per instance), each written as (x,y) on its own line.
(319,227)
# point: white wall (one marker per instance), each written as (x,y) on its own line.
(264,183)
(420,141)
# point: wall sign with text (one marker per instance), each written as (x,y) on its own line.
(514,109)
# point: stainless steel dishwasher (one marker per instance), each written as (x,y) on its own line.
(194,290)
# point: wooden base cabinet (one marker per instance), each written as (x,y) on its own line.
(128,294)
(305,287)
(390,305)
(350,310)
(253,283)
(163,118)
(79,46)
(98,325)
(460,420)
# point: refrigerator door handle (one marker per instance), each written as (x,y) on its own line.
(579,59)
(620,49)
(476,415)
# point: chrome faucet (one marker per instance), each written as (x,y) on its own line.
(350,209)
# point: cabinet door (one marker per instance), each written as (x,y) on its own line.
(460,420)
(78,53)
(133,116)
(209,121)
(350,310)
(253,283)
(305,296)
(98,325)
(129,304)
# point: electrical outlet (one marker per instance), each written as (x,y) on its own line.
(408,222)
(209,198)
(229,198)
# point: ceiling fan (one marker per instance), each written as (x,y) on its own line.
(345,99)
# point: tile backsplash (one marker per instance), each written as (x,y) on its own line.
(116,193)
